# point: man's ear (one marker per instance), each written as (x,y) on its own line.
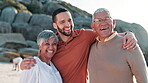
(92,26)
(114,23)
(54,25)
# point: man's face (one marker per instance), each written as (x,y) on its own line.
(103,24)
(64,23)
(48,48)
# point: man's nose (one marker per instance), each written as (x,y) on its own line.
(68,24)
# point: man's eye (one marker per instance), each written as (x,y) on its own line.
(108,18)
(99,20)
(54,43)
(47,44)
(62,22)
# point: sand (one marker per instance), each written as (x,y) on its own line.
(7,75)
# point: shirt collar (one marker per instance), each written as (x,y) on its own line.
(108,38)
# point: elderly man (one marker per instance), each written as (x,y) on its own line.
(108,61)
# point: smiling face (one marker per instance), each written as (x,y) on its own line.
(64,23)
(103,24)
(48,48)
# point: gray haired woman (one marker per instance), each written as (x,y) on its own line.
(44,71)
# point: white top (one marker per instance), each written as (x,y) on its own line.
(17,60)
(41,73)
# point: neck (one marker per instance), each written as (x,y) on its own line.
(102,39)
(63,37)
(46,60)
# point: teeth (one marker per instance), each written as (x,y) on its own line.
(50,51)
(103,29)
(67,28)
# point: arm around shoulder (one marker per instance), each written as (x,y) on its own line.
(129,41)
(27,63)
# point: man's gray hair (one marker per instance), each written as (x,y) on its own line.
(100,10)
(45,35)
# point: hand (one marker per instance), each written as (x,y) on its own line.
(130,41)
(27,63)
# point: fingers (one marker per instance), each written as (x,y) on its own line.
(27,66)
(130,41)
(29,60)
(24,67)
(135,46)
(130,44)
(127,44)
(124,41)
(27,63)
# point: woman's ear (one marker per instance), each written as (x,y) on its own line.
(39,52)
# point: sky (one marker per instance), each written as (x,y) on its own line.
(132,11)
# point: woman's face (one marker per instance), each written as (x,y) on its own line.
(48,48)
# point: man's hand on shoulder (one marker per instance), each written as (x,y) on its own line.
(130,41)
(27,63)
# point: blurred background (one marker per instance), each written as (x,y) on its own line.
(132,11)
(22,20)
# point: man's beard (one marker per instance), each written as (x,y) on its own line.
(64,33)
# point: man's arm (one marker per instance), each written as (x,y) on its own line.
(137,64)
(27,63)
(130,41)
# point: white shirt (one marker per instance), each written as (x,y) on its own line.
(17,60)
(41,73)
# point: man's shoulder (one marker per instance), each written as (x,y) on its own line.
(118,37)
(84,31)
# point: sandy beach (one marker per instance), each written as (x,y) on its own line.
(7,75)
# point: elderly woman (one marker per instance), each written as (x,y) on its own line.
(44,71)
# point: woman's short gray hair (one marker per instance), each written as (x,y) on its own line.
(45,35)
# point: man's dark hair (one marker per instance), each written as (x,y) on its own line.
(57,11)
